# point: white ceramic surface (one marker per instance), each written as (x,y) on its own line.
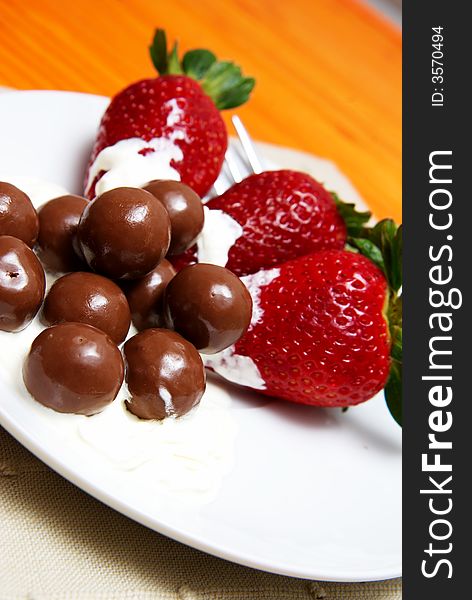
(312,493)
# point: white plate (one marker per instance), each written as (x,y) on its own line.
(312,493)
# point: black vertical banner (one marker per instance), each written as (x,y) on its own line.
(437,200)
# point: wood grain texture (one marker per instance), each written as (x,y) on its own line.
(328,71)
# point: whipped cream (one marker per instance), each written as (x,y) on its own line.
(126,167)
(236,367)
(219,234)
(186,457)
(254,283)
(39,191)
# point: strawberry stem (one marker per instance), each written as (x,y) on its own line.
(383,245)
(223,81)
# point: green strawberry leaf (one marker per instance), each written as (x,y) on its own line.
(383,245)
(354,219)
(225,83)
(158,50)
(221,80)
(395,319)
(236,96)
(393,392)
(196,63)
(220,77)
(173,64)
(385,239)
(368,249)
(396,276)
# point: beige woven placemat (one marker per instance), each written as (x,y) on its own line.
(56,543)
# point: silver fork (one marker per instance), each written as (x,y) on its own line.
(241,160)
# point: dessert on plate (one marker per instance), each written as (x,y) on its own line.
(276,284)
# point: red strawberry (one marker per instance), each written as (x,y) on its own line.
(182,108)
(283,214)
(319,333)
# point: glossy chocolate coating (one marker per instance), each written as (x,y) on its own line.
(124,233)
(18,216)
(73,368)
(164,373)
(185,210)
(146,296)
(88,298)
(22,284)
(209,306)
(58,222)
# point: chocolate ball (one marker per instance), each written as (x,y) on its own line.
(88,298)
(22,284)
(73,368)
(185,210)
(164,373)
(18,216)
(209,306)
(58,223)
(124,233)
(146,296)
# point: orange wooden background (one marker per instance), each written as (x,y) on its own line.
(328,71)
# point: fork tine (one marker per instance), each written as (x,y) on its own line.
(218,188)
(247,145)
(233,166)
